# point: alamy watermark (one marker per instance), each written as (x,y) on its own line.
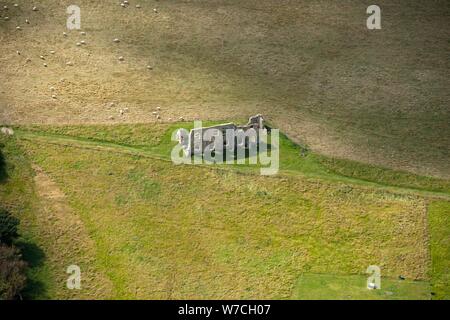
(374,20)
(374,280)
(251,144)
(74,19)
(74,280)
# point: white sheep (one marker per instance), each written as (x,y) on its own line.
(121,58)
(35,9)
(116,40)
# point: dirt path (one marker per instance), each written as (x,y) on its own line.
(67,243)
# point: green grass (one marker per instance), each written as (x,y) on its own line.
(164,231)
(354,287)
(17,194)
(156,138)
(49,243)
(439,226)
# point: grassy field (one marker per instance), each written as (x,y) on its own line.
(364,155)
(155,139)
(162,231)
(311,67)
(338,287)
(439,222)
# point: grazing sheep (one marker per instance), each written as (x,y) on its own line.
(52,51)
(155,10)
(6,18)
(138,6)
(45,65)
(121,58)
(83,33)
(121,112)
(65,34)
(53,96)
(181,119)
(116,40)
(158,108)
(78,44)
(18,28)
(158,117)
(42,57)
(149,67)
(35,9)
(18,52)
(27,21)
(16,5)
(83,42)
(69,63)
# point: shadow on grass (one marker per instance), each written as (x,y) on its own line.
(35,257)
(3,174)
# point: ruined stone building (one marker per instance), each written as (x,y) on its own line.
(199,139)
